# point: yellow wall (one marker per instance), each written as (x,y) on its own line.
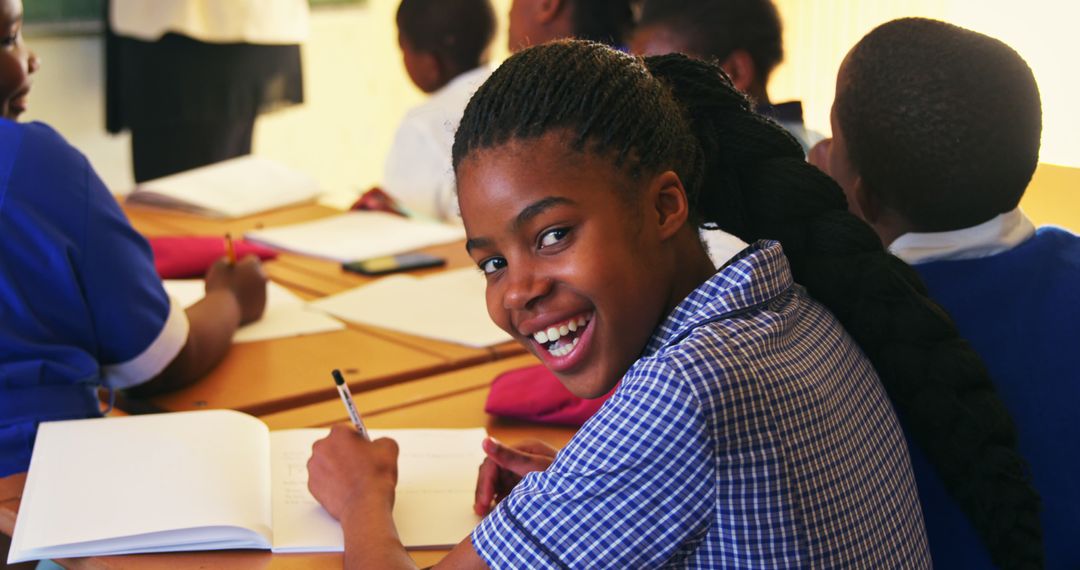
(1053,197)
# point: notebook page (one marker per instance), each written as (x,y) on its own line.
(286,315)
(356,235)
(448,306)
(232,188)
(105,482)
(433,506)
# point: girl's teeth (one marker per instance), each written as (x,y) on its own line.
(553,333)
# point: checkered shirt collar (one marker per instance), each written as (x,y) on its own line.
(753,277)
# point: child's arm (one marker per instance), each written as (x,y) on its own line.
(235,295)
(354,479)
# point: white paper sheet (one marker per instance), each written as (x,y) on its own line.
(191,480)
(356,235)
(448,306)
(286,315)
(433,505)
(231,189)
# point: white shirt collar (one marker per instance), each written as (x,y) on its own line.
(1001,233)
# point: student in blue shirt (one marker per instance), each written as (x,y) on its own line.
(936,133)
(748,428)
(81,306)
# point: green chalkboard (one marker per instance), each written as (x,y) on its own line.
(40,11)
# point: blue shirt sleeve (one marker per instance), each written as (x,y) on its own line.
(116,305)
(634,488)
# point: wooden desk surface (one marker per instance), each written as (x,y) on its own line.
(313,278)
(449,400)
(263,377)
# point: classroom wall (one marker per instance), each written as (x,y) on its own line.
(356,92)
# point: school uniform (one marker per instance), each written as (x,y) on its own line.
(81,306)
(752,432)
(1012,292)
(419,171)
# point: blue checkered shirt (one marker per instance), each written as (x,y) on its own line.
(751,433)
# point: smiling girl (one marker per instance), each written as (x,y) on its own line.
(748,428)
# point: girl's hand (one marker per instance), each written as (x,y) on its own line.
(348,474)
(245,280)
(504,467)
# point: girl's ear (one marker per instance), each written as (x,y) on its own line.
(668,197)
(741,69)
(548,10)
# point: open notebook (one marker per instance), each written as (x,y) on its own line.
(231,189)
(286,315)
(219,479)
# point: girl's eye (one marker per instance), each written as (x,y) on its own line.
(10,40)
(553,237)
(492,264)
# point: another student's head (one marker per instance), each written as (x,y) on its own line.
(17,62)
(534,22)
(935,127)
(441,39)
(744,36)
(583,176)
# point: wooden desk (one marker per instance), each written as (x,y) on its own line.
(454,399)
(263,377)
(313,278)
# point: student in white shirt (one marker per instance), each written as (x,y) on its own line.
(444,44)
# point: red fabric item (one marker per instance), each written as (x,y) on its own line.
(536,395)
(182,257)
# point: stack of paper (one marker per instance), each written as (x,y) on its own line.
(448,306)
(220,479)
(356,235)
(286,315)
(230,189)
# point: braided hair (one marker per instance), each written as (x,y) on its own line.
(747,176)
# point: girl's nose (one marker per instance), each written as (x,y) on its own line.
(33,63)
(524,289)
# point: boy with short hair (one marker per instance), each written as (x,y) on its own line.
(444,46)
(936,133)
(533,22)
(744,36)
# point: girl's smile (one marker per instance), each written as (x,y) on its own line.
(576,253)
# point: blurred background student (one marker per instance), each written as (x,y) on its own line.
(744,36)
(444,45)
(534,22)
(189,77)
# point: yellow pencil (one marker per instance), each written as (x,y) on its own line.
(230,250)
